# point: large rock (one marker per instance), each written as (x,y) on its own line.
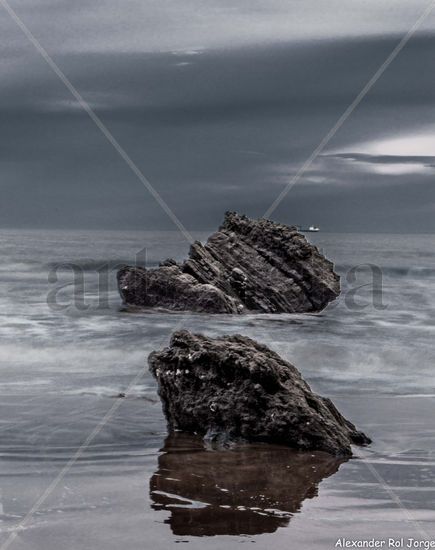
(247,265)
(232,387)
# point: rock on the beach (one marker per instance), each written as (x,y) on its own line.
(247,265)
(233,387)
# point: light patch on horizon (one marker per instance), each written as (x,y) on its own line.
(398,169)
(408,154)
(187,52)
(282,174)
(417,144)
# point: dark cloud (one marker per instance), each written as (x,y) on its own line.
(214,130)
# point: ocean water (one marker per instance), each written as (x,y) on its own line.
(69,349)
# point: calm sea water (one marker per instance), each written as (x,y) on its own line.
(63,365)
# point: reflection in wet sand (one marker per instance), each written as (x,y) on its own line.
(247,490)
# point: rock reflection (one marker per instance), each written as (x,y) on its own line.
(247,490)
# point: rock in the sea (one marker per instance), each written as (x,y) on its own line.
(247,265)
(169,287)
(233,387)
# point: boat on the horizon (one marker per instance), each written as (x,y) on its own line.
(310,229)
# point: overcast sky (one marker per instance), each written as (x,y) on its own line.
(219,103)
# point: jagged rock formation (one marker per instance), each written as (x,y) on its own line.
(233,387)
(251,490)
(247,265)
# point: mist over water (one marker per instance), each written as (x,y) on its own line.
(64,364)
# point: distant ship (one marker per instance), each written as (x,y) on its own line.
(310,229)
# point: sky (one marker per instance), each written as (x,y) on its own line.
(219,104)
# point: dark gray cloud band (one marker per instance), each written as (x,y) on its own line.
(216,129)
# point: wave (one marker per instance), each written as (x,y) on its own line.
(142,391)
(87,264)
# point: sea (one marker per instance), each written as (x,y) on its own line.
(86,462)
